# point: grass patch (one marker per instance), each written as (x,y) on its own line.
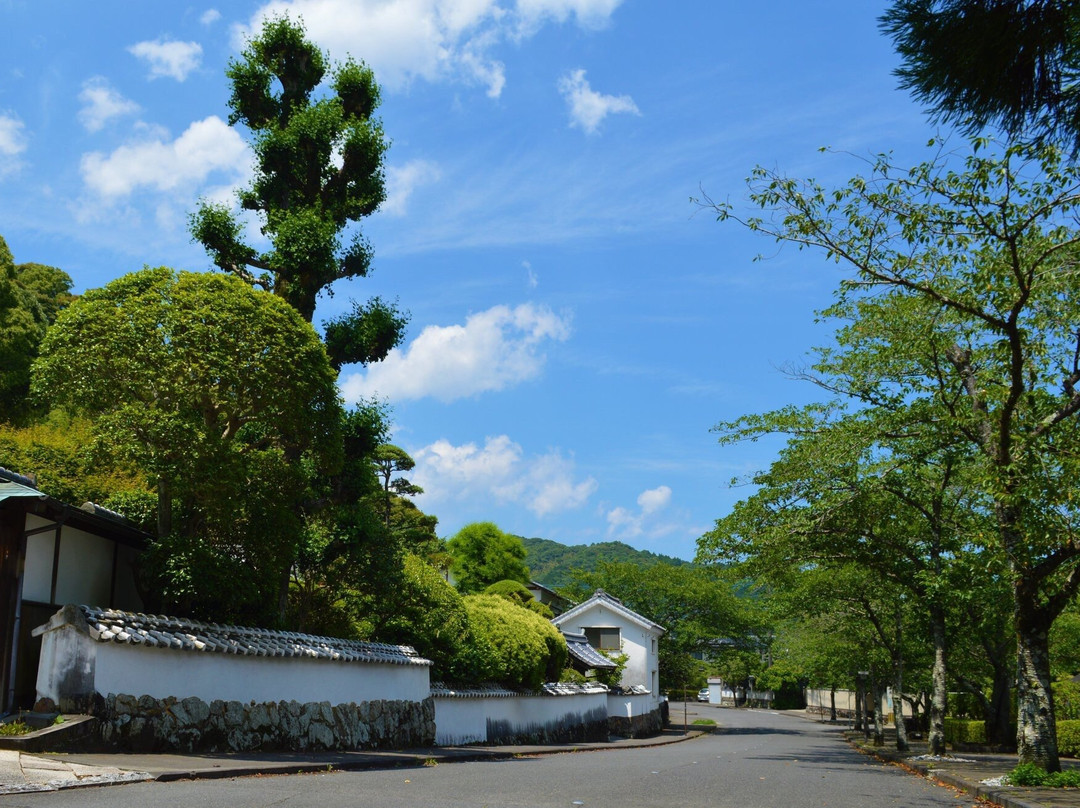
(704,722)
(1028,774)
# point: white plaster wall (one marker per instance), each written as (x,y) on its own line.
(161,672)
(84,574)
(37,574)
(464,720)
(630,706)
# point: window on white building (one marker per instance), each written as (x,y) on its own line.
(604,638)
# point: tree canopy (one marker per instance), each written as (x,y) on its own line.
(957,334)
(482,555)
(210,388)
(318,170)
(1009,63)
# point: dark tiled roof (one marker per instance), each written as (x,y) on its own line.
(579,648)
(444,691)
(158,631)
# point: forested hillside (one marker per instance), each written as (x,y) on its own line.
(550,563)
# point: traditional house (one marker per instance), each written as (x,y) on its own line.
(549,597)
(610,626)
(52,554)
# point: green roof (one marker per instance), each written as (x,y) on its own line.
(18,490)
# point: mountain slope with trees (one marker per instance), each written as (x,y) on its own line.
(551,563)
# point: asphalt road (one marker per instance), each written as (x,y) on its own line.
(758,760)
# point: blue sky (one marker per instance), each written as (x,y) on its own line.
(577,325)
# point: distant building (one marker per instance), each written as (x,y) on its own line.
(549,597)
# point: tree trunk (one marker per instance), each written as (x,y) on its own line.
(898,687)
(1036,730)
(164,508)
(832,704)
(999,707)
(858,704)
(879,719)
(939,692)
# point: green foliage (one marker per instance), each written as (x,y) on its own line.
(11,729)
(518,593)
(553,564)
(431,616)
(954,369)
(31,295)
(318,170)
(1066,700)
(960,730)
(1010,63)
(573,677)
(482,554)
(1068,735)
(58,451)
(527,649)
(613,677)
(224,398)
(696,605)
(1028,774)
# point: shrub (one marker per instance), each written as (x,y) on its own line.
(1066,700)
(517,592)
(571,676)
(961,730)
(1028,774)
(1068,738)
(526,649)
(431,617)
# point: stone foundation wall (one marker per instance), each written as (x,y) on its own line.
(146,724)
(640,726)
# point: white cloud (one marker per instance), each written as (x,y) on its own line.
(530,275)
(493,350)
(12,143)
(624,523)
(205,147)
(588,108)
(544,484)
(433,40)
(101,103)
(589,13)
(654,499)
(210,16)
(12,140)
(401,181)
(168,58)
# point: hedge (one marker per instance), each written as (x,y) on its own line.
(963,730)
(1068,738)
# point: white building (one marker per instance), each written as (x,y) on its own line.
(612,627)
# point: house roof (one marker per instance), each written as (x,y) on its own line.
(579,648)
(159,631)
(445,691)
(90,517)
(602,598)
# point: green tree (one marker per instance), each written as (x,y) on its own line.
(31,295)
(960,300)
(482,554)
(210,388)
(318,170)
(1009,63)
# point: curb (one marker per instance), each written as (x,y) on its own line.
(409,760)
